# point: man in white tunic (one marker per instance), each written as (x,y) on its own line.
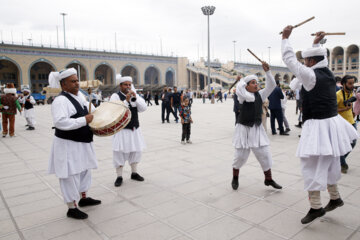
(249,131)
(128,143)
(72,154)
(325,135)
(28,102)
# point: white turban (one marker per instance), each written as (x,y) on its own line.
(241,88)
(56,77)
(26,90)
(315,51)
(120,79)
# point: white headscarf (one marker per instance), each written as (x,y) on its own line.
(241,88)
(56,77)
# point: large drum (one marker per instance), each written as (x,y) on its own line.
(109,118)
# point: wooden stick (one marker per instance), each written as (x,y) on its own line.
(255,55)
(335,33)
(90,99)
(299,24)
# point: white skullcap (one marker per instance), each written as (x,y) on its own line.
(315,51)
(120,79)
(249,78)
(26,90)
(56,77)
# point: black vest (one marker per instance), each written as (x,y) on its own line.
(251,112)
(320,102)
(134,121)
(27,104)
(83,134)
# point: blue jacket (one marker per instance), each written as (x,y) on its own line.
(275,99)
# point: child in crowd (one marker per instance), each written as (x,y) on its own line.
(186,120)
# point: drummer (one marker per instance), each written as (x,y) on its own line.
(72,154)
(129,143)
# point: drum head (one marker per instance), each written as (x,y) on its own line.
(107,114)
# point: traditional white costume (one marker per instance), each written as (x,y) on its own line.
(323,138)
(29,112)
(70,160)
(253,136)
(128,143)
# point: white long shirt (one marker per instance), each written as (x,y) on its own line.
(128,140)
(69,157)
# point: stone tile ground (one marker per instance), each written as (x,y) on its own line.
(187,192)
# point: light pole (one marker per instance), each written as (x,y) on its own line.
(208,10)
(64,14)
(269,55)
(234,53)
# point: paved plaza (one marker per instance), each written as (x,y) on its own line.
(186,193)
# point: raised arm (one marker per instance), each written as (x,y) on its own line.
(304,74)
(270,83)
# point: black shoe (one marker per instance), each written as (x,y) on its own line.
(334,204)
(137,177)
(343,169)
(274,133)
(118,181)
(27,125)
(163,122)
(298,125)
(30,128)
(312,215)
(235,183)
(76,213)
(345,166)
(84,202)
(287,130)
(272,183)
(168,121)
(284,134)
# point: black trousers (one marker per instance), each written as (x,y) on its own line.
(186,128)
(148,102)
(276,113)
(163,109)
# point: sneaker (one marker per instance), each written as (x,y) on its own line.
(76,214)
(137,177)
(189,141)
(88,202)
(118,181)
(312,215)
(334,204)
(183,142)
(272,183)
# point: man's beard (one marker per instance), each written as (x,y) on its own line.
(349,90)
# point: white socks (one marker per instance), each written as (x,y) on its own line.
(119,171)
(314,199)
(134,167)
(71,204)
(333,191)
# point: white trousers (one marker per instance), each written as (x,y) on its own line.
(74,185)
(119,158)
(262,154)
(319,171)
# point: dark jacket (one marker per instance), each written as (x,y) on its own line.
(236,103)
(275,99)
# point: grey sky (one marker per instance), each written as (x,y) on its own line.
(140,24)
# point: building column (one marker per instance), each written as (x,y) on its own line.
(191,80)
(344,62)
(197,82)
